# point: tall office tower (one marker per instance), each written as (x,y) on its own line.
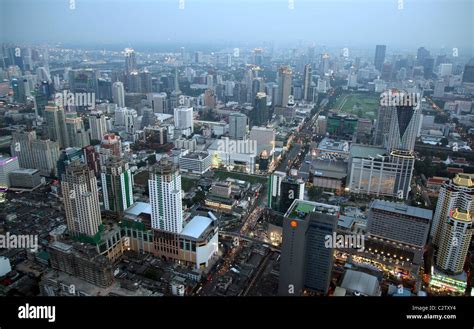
(166,197)
(306,263)
(158,102)
(133,82)
(130,60)
(324,64)
(118,94)
(307,82)
(56,124)
(7,165)
(455,239)
(274,188)
(382,128)
(81,200)
(428,65)
(66,157)
(91,157)
(97,125)
(117,185)
(148,117)
(21,148)
(45,154)
(260,113)
(77,135)
(19,92)
(421,55)
(43,74)
(110,146)
(468,75)
(176,81)
(445,69)
(457,193)
(402,165)
(379,58)
(237,126)
(83,81)
(183,120)
(291,189)
(404,124)
(284,85)
(146,82)
(104,87)
(397,232)
(258,56)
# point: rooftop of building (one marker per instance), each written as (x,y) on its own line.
(299,209)
(461,215)
(196,155)
(138,208)
(196,227)
(25,171)
(366,151)
(464,180)
(329,144)
(401,208)
(361,282)
(329,169)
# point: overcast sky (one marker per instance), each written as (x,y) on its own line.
(431,23)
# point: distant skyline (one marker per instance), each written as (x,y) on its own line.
(358,23)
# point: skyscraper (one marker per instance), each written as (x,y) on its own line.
(237,126)
(77,135)
(97,125)
(83,81)
(130,60)
(21,148)
(81,200)
(56,124)
(117,185)
(166,197)
(404,124)
(306,263)
(457,193)
(379,56)
(118,94)
(455,240)
(307,82)
(45,156)
(284,85)
(183,120)
(260,114)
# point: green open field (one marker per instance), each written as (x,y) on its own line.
(363,105)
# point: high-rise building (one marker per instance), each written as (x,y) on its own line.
(274,188)
(45,156)
(158,102)
(307,83)
(237,126)
(83,81)
(264,138)
(66,157)
(166,197)
(77,135)
(260,113)
(290,190)
(397,232)
(404,124)
(284,85)
(379,56)
(183,120)
(130,60)
(457,193)
(81,200)
(421,55)
(118,94)
(7,165)
(117,185)
(56,124)
(454,241)
(21,148)
(306,262)
(97,125)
